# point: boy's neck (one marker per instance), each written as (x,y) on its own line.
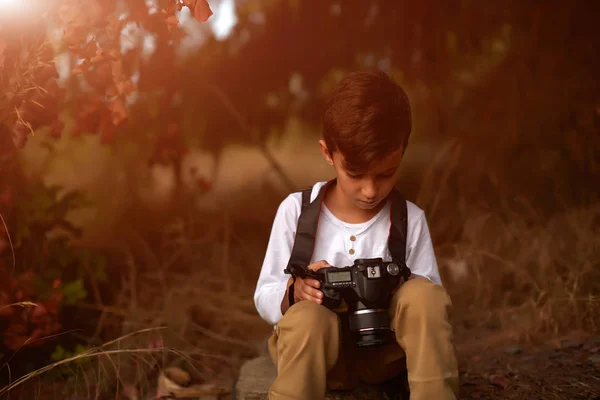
(345,210)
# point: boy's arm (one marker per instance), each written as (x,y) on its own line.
(270,296)
(420,254)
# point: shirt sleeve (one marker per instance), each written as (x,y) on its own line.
(420,255)
(272,281)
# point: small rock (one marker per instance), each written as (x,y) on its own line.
(595,359)
(178,376)
(513,350)
(571,344)
(594,349)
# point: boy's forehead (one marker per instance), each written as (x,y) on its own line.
(383,164)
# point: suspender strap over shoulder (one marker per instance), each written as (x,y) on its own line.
(398,228)
(306,231)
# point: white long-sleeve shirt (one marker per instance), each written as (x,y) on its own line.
(339,243)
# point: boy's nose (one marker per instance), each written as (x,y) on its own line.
(369,191)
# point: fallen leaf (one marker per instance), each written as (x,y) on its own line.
(594,349)
(499,380)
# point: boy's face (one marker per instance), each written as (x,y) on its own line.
(365,189)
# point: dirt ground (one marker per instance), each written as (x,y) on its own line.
(567,368)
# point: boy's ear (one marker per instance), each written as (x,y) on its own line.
(325,152)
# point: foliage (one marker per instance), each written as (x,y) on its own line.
(100,74)
(93,98)
(50,270)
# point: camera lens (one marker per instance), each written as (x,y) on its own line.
(370,326)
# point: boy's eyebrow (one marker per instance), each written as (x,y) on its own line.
(390,169)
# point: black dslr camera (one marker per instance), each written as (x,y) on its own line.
(367,289)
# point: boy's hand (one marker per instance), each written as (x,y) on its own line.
(309,288)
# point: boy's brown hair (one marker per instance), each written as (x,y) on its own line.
(366,117)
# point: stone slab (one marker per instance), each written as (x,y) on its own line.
(257,375)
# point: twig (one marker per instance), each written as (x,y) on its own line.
(225,252)
(12,249)
(132,283)
(98,298)
(217,336)
(27,124)
(244,126)
(88,354)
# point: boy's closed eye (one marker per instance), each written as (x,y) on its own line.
(387,174)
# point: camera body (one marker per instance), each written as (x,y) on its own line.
(366,287)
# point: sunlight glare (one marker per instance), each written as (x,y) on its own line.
(224,19)
(12,8)
(8,3)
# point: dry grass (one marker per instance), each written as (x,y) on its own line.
(194,285)
(127,367)
(509,270)
(508,267)
(528,279)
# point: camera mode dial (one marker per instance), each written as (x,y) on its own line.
(393,269)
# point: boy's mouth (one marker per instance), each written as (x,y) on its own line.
(368,203)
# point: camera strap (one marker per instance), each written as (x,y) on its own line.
(304,241)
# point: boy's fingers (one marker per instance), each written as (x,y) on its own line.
(318,265)
(313,283)
(310,293)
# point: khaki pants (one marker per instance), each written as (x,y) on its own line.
(312,352)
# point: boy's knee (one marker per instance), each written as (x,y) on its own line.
(308,318)
(420,295)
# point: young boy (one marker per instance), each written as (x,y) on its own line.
(366,127)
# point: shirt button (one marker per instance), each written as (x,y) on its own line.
(352,238)
(351,251)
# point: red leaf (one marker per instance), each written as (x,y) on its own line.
(202,11)
(499,380)
(6,197)
(137,10)
(107,133)
(74,36)
(204,184)
(172,21)
(118,110)
(57,128)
